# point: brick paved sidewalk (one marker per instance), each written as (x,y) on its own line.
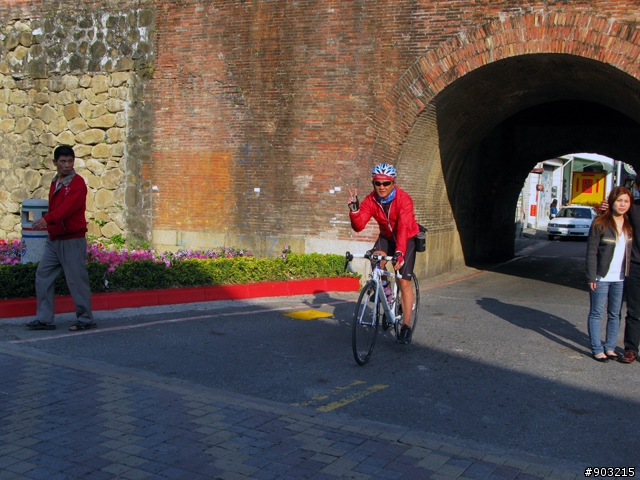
(62,420)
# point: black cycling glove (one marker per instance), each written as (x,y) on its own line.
(354,206)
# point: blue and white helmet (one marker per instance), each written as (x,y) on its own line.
(383,171)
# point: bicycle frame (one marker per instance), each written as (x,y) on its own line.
(372,298)
(376,275)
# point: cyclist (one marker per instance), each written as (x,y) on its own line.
(392,208)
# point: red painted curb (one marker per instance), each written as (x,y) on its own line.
(24,307)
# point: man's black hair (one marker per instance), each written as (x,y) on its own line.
(63,150)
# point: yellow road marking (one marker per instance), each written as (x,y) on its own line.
(317,398)
(351,398)
(308,314)
(347,387)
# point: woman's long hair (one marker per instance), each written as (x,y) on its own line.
(604,221)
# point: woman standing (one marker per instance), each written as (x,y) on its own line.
(608,258)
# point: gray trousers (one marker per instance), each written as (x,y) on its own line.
(67,255)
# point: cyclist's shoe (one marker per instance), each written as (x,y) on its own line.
(405,335)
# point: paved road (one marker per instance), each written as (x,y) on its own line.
(499,361)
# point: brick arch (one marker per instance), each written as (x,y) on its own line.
(580,34)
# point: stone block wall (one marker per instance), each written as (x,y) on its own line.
(73,78)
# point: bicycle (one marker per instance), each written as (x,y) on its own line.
(373,307)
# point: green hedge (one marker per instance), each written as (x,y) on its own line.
(18,281)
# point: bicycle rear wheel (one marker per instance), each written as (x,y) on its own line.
(415,288)
(365,324)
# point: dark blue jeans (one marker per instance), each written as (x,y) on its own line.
(632,320)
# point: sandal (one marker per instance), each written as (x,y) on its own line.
(38,325)
(612,355)
(76,327)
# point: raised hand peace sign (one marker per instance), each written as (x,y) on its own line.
(353,203)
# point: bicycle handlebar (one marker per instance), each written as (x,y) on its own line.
(370,256)
(373,256)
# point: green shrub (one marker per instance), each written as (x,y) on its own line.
(139,275)
(18,281)
(97,275)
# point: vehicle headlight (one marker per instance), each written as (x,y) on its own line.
(582,226)
(553,225)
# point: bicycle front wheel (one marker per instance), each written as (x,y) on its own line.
(415,288)
(365,324)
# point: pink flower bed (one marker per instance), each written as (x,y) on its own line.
(96,252)
(10,251)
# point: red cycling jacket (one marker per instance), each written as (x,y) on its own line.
(399,227)
(67,205)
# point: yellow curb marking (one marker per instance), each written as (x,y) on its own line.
(308,314)
(351,398)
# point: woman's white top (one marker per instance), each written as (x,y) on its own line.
(616,268)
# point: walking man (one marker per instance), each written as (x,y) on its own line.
(66,247)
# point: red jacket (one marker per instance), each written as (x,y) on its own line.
(67,205)
(399,227)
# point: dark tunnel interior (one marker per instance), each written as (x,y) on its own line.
(497,122)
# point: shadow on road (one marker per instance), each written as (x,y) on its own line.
(550,326)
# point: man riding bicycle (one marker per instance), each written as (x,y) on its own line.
(392,208)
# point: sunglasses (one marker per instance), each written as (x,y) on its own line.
(382,184)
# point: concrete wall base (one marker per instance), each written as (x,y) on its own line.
(444,251)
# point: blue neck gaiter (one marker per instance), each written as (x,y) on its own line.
(389,198)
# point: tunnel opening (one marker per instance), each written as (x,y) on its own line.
(495,123)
